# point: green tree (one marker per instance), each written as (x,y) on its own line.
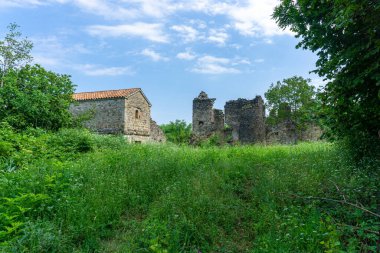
(295,99)
(14,51)
(178,132)
(345,35)
(34,97)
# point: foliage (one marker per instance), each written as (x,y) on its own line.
(14,52)
(121,197)
(178,132)
(295,99)
(35,97)
(346,38)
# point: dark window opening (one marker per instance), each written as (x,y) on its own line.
(200,123)
(137,114)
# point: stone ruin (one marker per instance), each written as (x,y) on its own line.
(206,119)
(244,121)
(246,118)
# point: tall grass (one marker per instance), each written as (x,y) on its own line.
(163,198)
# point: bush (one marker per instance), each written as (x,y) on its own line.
(69,141)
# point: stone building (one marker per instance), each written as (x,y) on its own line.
(206,119)
(246,123)
(125,111)
(246,118)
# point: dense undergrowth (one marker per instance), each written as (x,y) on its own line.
(76,192)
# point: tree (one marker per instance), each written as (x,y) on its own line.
(293,98)
(178,132)
(14,52)
(345,35)
(34,97)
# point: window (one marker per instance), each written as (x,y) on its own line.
(200,123)
(137,114)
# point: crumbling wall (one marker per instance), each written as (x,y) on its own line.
(206,119)
(246,118)
(232,110)
(218,120)
(286,131)
(156,134)
(283,133)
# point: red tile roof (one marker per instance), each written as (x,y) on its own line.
(105,94)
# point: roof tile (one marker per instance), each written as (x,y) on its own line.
(104,94)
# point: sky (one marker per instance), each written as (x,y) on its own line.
(171,49)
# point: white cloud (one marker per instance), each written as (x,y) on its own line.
(95,70)
(152,32)
(50,51)
(188,33)
(186,56)
(259,60)
(214,65)
(268,41)
(254,18)
(106,9)
(153,55)
(248,17)
(218,36)
(20,3)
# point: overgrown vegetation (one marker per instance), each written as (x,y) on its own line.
(346,37)
(77,192)
(294,99)
(31,96)
(178,132)
(73,191)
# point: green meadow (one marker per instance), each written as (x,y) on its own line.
(73,191)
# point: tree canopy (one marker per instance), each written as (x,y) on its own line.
(31,96)
(178,132)
(345,35)
(34,97)
(293,98)
(14,51)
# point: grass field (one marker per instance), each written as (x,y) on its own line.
(98,194)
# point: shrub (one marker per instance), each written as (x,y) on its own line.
(69,141)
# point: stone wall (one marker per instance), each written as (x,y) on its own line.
(156,134)
(282,133)
(129,116)
(286,132)
(206,119)
(311,133)
(218,120)
(108,115)
(137,138)
(246,118)
(137,115)
(246,123)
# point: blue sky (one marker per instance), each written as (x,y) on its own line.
(172,49)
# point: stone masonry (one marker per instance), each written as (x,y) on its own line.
(125,112)
(246,119)
(206,119)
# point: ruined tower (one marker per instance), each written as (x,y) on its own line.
(246,119)
(206,119)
